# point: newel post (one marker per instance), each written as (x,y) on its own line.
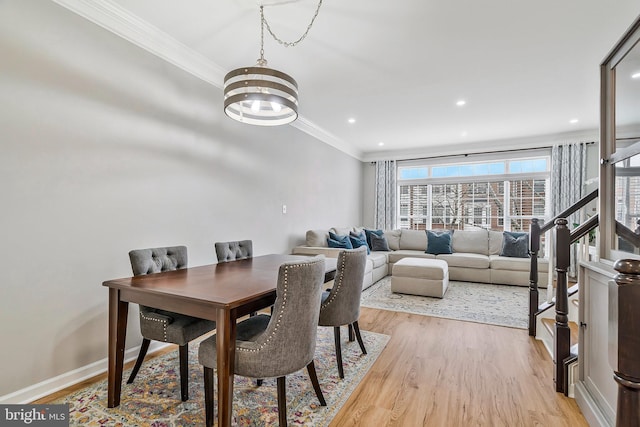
(534,247)
(624,340)
(562,335)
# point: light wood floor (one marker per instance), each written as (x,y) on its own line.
(439,372)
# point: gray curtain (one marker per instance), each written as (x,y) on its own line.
(568,175)
(385,197)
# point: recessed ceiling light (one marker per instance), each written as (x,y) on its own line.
(464,133)
(381,143)
(461,103)
(351,120)
(573,121)
(635,75)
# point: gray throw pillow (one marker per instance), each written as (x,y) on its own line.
(379,243)
(515,245)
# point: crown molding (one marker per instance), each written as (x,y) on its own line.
(328,138)
(118,20)
(115,18)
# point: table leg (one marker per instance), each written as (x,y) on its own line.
(226,356)
(118,311)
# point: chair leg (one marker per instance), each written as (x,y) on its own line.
(208,396)
(351,337)
(259,382)
(311,369)
(184,372)
(336,334)
(359,337)
(282,401)
(143,352)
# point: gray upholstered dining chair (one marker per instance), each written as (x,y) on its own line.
(341,304)
(232,251)
(280,344)
(162,325)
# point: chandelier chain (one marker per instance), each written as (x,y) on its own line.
(276,38)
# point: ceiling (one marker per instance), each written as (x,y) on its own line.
(525,69)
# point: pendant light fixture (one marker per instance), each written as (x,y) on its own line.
(260,95)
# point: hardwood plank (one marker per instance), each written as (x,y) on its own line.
(440,372)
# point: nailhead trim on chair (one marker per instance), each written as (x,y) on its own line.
(333,295)
(284,304)
(164,324)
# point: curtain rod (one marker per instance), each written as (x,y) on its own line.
(485,152)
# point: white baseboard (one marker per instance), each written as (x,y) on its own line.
(590,408)
(52,385)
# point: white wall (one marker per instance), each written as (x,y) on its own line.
(106,148)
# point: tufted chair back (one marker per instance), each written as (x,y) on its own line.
(161,325)
(232,251)
(289,341)
(156,260)
(342,305)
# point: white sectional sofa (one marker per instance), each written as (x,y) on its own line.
(475,258)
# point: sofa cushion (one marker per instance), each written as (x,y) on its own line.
(393,238)
(475,242)
(413,239)
(337,241)
(368,232)
(379,243)
(359,239)
(396,256)
(378,258)
(317,238)
(467,260)
(495,242)
(439,242)
(515,245)
(498,262)
(342,231)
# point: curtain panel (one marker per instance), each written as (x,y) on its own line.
(385,197)
(568,175)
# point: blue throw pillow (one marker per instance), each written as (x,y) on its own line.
(379,243)
(359,239)
(515,245)
(368,233)
(439,242)
(337,241)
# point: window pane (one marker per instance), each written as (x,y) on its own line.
(414,206)
(413,173)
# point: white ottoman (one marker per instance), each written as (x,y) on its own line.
(420,276)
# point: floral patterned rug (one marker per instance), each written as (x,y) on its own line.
(153,400)
(501,305)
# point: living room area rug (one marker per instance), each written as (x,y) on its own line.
(153,400)
(501,305)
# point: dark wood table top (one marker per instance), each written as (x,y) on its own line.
(223,285)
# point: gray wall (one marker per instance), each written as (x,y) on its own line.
(106,148)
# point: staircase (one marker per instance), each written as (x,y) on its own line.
(555,322)
(545,332)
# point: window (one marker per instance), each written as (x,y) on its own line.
(496,195)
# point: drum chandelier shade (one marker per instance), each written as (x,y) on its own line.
(259,95)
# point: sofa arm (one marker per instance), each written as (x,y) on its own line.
(316,250)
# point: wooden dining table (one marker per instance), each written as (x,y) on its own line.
(222,292)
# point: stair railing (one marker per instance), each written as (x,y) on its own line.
(535,232)
(562,333)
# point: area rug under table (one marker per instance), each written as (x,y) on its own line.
(153,400)
(501,305)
